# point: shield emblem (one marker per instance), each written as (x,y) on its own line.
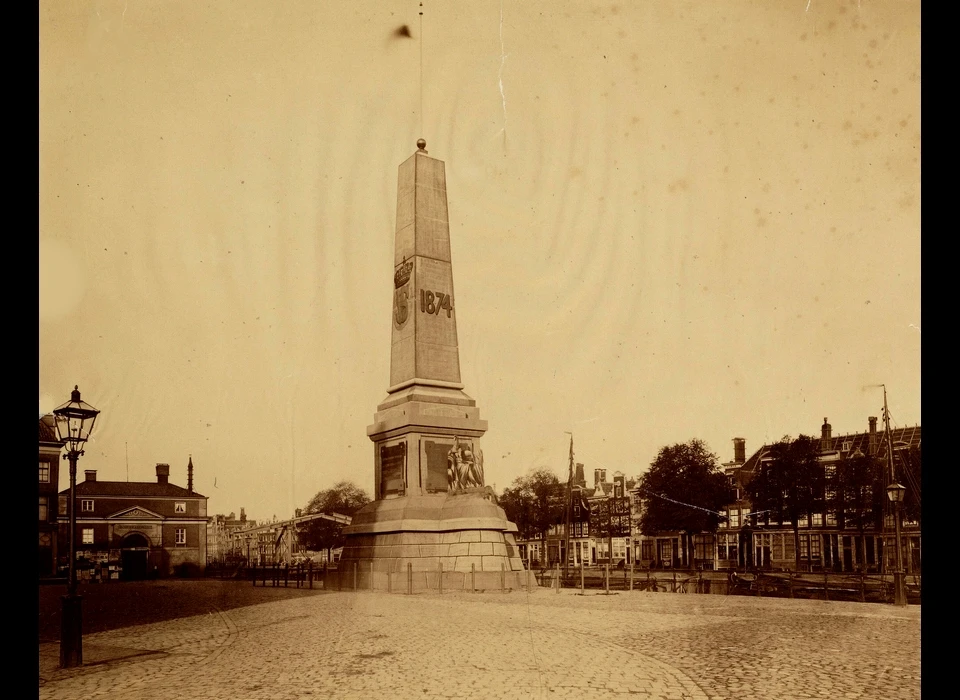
(401,308)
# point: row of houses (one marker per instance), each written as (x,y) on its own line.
(138,529)
(604,525)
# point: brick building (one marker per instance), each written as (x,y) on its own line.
(600,522)
(829,540)
(138,529)
(50,448)
(220,536)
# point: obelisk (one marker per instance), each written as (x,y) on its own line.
(432,511)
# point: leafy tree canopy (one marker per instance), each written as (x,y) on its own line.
(854,489)
(683,490)
(345,498)
(534,502)
(791,483)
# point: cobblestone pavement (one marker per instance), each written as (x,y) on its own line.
(515,645)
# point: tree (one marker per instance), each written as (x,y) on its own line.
(534,502)
(683,490)
(791,484)
(907,463)
(854,491)
(345,498)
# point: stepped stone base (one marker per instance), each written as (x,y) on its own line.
(406,542)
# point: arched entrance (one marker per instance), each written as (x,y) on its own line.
(134,551)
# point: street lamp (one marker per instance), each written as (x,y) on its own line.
(75,421)
(895,493)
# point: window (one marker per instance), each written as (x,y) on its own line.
(44,508)
(815,547)
(734,518)
(831,518)
(87,536)
(777,546)
(817,519)
(180,507)
(181,535)
(86,505)
(804,546)
(803,521)
(576,510)
(44,472)
(702,546)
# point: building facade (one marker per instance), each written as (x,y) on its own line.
(50,448)
(220,536)
(601,523)
(833,538)
(134,530)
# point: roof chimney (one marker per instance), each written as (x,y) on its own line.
(825,432)
(190,475)
(90,474)
(739,450)
(579,478)
(243,516)
(872,440)
(163,473)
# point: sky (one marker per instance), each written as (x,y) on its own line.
(668,221)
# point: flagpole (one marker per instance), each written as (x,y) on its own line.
(566,558)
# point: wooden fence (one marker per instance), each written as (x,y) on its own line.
(853,587)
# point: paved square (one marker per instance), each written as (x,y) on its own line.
(542,644)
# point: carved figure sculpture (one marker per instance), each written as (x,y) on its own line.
(464,467)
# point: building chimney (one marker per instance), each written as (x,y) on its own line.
(739,450)
(243,516)
(873,435)
(90,474)
(163,473)
(190,474)
(825,433)
(578,478)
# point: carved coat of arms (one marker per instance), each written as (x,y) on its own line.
(401,294)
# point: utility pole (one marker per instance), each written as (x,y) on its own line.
(569,508)
(899,592)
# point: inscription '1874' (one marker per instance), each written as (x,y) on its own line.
(435,302)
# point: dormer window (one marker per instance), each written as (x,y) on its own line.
(846,446)
(180,507)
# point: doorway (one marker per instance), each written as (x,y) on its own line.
(134,551)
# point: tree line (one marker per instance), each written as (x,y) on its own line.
(685,490)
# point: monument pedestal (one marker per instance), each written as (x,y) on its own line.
(466,535)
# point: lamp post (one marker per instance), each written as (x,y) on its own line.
(75,421)
(895,493)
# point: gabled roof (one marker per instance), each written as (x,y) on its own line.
(138,512)
(902,438)
(48,431)
(146,489)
